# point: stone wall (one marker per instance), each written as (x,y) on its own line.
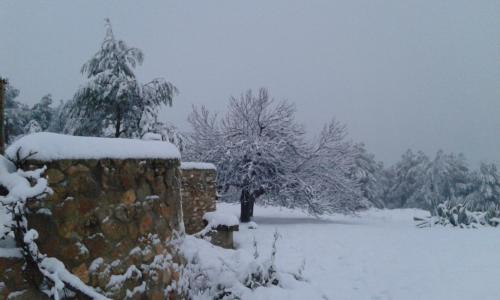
(12,280)
(199,192)
(222,236)
(108,221)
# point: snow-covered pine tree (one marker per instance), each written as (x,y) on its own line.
(485,193)
(61,121)
(32,127)
(20,119)
(260,151)
(42,112)
(370,176)
(166,131)
(407,178)
(17,114)
(113,102)
(446,179)
(419,182)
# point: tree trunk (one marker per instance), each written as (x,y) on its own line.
(251,207)
(246,201)
(118,123)
(3,84)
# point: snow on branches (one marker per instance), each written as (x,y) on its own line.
(260,150)
(113,102)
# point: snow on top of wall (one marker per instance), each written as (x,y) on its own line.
(150,136)
(215,218)
(49,146)
(191,165)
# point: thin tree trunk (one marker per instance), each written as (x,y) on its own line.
(3,84)
(251,206)
(246,201)
(254,195)
(118,123)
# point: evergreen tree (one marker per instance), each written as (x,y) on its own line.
(422,183)
(485,193)
(20,119)
(42,112)
(17,115)
(446,179)
(407,179)
(113,102)
(163,131)
(370,175)
(61,121)
(32,127)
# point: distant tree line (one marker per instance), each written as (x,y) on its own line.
(261,152)
(421,182)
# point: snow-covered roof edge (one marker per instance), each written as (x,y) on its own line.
(48,146)
(192,165)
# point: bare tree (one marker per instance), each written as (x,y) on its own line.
(261,151)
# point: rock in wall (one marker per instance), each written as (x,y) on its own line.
(108,221)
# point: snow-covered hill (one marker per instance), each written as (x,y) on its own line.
(379,254)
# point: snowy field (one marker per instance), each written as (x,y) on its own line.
(378,255)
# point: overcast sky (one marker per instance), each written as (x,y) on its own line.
(401,74)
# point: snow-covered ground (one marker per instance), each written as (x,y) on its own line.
(379,254)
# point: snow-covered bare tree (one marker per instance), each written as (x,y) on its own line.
(320,179)
(261,151)
(113,102)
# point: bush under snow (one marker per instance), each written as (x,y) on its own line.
(459,216)
(212,272)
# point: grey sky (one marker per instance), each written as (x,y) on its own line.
(401,74)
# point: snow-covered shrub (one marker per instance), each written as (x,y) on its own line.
(212,272)
(459,216)
(263,274)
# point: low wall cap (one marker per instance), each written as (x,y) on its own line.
(192,165)
(48,146)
